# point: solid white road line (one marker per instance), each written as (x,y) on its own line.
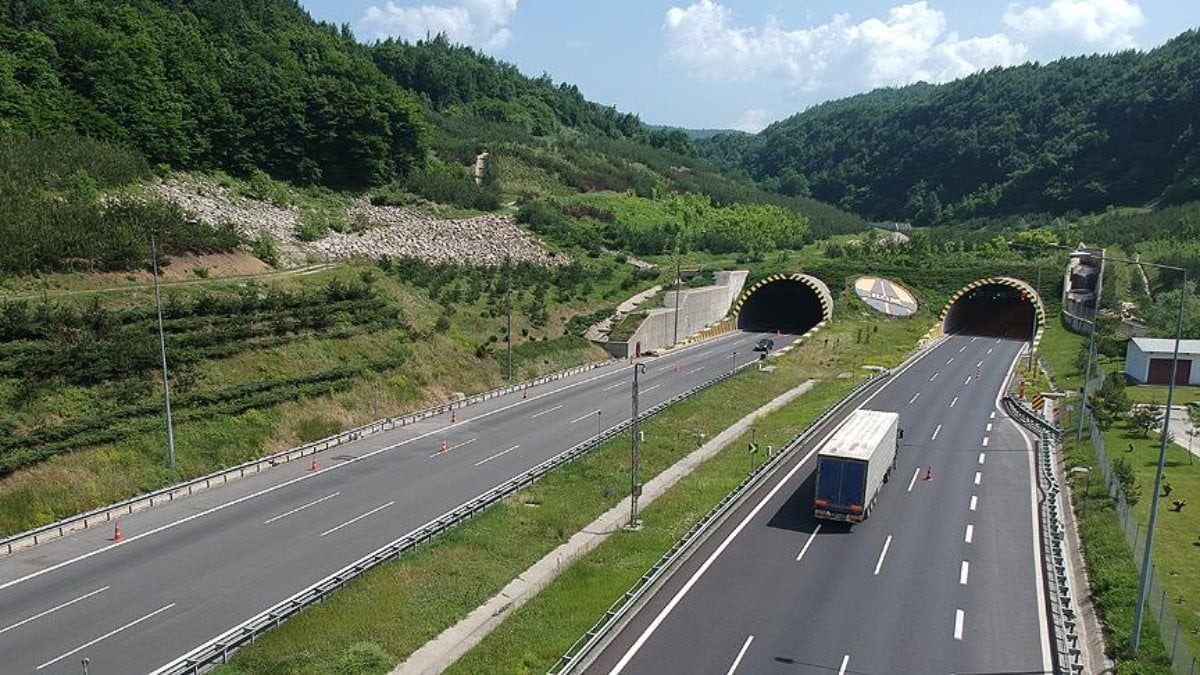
(584,416)
(954,401)
(547,411)
(958,624)
(883,554)
(985,441)
(970,534)
(107,635)
(809,542)
(978,477)
(498,454)
(298,509)
(845,663)
(935,433)
(974,502)
(708,562)
(693,371)
(934,377)
(355,519)
(913,482)
(741,653)
(914,397)
(964,572)
(39,615)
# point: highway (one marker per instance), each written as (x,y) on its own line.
(189,570)
(944,577)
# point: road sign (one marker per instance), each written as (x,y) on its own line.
(753,448)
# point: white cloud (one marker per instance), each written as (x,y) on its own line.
(482,23)
(910,44)
(753,120)
(1104,23)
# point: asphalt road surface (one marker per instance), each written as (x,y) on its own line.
(942,578)
(190,570)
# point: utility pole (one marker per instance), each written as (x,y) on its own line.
(677,272)
(508,311)
(635,487)
(162,344)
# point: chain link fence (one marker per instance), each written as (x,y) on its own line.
(1158,600)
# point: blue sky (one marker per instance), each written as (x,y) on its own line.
(745,63)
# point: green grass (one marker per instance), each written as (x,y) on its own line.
(400,606)
(1109,559)
(1176,552)
(1149,393)
(1111,571)
(438,363)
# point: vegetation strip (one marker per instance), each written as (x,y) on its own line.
(401,606)
(439,653)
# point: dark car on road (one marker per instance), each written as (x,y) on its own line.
(764,345)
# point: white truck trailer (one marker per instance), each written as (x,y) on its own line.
(854,464)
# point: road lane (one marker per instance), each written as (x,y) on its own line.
(218,564)
(915,615)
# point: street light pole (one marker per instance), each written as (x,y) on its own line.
(1144,583)
(1087,370)
(599,423)
(677,271)
(635,488)
(162,344)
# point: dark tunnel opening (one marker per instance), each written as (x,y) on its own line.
(992,310)
(787,306)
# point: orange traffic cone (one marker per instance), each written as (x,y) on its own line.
(929,473)
(117,536)
(443,447)
(313,466)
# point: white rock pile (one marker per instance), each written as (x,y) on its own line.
(394,232)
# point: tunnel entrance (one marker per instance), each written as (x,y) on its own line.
(790,304)
(994,309)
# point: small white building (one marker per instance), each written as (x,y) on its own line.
(1148,361)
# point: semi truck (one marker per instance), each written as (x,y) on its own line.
(854,463)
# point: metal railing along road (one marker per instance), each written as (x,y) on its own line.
(218,650)
(106,514)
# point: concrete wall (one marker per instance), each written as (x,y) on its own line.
(699,308)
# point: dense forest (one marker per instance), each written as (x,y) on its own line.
(209,83)
(1078,134)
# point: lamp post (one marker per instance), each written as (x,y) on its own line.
(162,344)
(635,488)
(599,423)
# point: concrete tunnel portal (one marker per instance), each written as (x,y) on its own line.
(786,303)
(999,307)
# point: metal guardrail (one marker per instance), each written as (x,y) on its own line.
(105,514)
(1067,655)
(218,650)
(587,643)
(1029,419)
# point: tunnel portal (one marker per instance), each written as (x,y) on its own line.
(1001,308)
(792,304)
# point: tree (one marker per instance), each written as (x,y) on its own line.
(1123,470)
(1146,417)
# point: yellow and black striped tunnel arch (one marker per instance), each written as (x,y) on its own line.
(792,303)
(995,307)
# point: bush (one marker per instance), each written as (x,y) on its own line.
(265,249)
(363,658)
